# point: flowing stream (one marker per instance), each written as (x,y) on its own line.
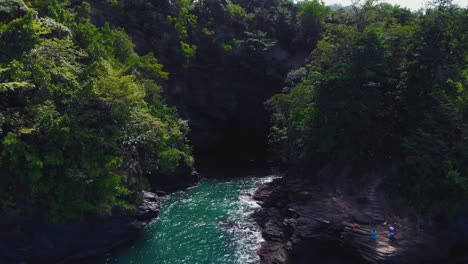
(209,223)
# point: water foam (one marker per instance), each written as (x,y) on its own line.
(248,236)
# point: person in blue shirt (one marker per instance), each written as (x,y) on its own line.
(373,234)
(392,232)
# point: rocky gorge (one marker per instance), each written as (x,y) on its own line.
(84,240)
(107,107)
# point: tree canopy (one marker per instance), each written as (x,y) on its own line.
(384,86)
(83,127)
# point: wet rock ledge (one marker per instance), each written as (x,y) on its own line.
(302,223)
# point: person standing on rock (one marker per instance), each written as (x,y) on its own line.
(392,232)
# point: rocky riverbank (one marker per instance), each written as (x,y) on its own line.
(302,222)
(27,240)
(73,242)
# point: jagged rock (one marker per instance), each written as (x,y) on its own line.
(149,208)
(331,222)
(272,231)
(272,253)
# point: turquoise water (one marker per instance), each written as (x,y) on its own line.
(209,223)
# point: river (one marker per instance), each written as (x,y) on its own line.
(209,223)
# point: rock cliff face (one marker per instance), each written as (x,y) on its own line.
(222,95)
(37,242)
(302,222)
(224,101)
(226,115)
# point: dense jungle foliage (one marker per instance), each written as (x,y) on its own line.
(83,127)
(385,87)
(225,58)
(211,33)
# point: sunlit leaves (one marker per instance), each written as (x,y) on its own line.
(17,37)
(115,88)
(72,98)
